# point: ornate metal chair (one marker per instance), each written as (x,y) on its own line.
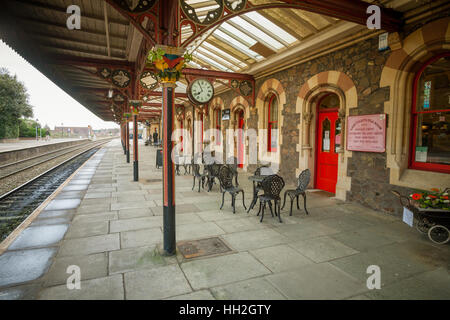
(232,162)
(226,184)
(272,186)
(303,181)
(213,174)
(199,176)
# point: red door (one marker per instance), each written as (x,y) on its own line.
(328,141)
(241,140)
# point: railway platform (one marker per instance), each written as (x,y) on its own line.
(24,144)
(110,229)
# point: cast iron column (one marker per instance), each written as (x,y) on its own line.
(135,148)
(168,168)
(122,132)
(127,142)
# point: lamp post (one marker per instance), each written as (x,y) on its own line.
(36,129)
(62,132)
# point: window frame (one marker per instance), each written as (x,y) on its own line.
(217,125)
(270,123)
(425,166)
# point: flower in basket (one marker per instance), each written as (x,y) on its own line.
(416,196)
(434,199)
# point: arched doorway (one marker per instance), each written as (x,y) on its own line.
(328,141)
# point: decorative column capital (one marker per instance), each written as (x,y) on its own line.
(135,105)
(307,117)
(395,41)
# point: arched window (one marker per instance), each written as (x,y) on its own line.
(217,125)
(272,123)
(430,143)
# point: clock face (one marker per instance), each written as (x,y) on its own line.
(202,90)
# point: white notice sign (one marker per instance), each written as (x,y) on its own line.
(408,217)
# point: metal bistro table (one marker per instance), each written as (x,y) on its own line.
(255,180)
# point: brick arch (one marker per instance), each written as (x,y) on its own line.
(328,81)
(240,101)
(271,85)
(398,74)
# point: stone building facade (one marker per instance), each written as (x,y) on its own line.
(366,81)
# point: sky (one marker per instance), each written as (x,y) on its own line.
(51,105)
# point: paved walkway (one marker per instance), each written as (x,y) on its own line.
(23,144)
(111,228)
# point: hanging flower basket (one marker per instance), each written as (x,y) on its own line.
(168,63)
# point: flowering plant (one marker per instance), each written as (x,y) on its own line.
(434,199)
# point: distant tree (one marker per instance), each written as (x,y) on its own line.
(13,104)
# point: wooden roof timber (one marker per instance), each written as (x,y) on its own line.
(59,42)
(63,11)
(61,26)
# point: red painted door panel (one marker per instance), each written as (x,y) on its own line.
(241,140)
(327,158)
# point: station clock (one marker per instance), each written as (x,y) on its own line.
(200,91)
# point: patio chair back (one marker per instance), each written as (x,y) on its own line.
(272,186)
(303,180)
(226,177)
(214,169)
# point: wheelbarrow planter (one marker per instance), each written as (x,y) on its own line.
(430,221)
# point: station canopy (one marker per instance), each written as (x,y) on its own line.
(100,58)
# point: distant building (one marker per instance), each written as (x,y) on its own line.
(73,132)
(107,132)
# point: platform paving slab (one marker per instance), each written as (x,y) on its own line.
(254,239)
(98,216)
(139,238)
(211,272)
(431,285)
(280,258)
(197,231)
(89,245)
(321,281)
(39,236)
(63,220)
(91,267)
(322,249)
(63,204)
(253,289)
(107,288)
(24,265)
(126,260)
(24,292)
(135,224)
(87,229)
(157,283)
(197,295)
(395,261)
(135,213)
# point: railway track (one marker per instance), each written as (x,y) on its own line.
(17,204)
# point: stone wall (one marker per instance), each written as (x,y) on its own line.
(363,63)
